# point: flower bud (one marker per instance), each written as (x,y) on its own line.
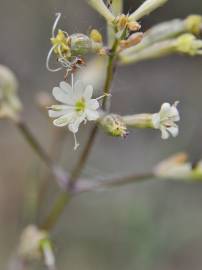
(9,102)
(30,241)
(197,171)
(80,44)
(133,40)
(96,36)
(35,245)
(175,167)
(114,125)
(134,26)
(121,21)
(193,24)
(188,44)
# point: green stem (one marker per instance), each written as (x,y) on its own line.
(56,171)
(26,132)
(64,198)
(104,184)
(110,73)
(57,210)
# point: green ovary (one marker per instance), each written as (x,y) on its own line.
(80,105)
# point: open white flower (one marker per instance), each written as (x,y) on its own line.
(165,120)
(77,106)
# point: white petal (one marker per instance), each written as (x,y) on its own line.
(93,104)
(88,92)
(165,110)
(78,89)
(174,114)
(174,131)
(58,110)
(63,120)
(66,87)
(92,115)
(74,125)
(164,133)
(54,114)
(61,96)
(156,120)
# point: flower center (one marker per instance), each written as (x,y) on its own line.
(80,105)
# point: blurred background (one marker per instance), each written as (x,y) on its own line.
(144,226)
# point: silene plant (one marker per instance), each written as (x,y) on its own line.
(75,103)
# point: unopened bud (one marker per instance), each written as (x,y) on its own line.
(197,171)
(9,102)
(188,44)
(175,167)
(96,36)
(121,21)
(30,241)
(193,24)
(134,26)
(133,40)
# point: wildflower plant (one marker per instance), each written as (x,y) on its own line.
(77,102)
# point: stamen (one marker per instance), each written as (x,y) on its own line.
(48,61)
(76,144)
(58,15)
(105,95)
(59,50)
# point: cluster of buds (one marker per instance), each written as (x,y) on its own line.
(189,44)
(122,20)
(10,104)
(175,36)
(35,246)
(121,25)
(178,167)
(184,44)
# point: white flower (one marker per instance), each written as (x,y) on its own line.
(165,120)
(77,106)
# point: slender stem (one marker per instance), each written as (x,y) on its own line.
(63,199)
(56,211)
(57,172)
(110,73)
(34,143)
(87,186)
(55,152)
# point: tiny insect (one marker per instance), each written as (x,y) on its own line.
(71,66)
(109,3)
